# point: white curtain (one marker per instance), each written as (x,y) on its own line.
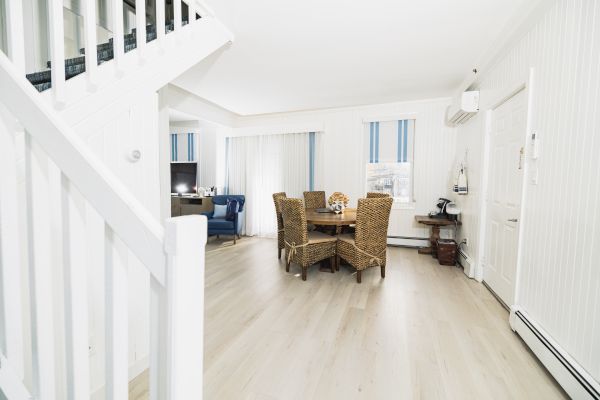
(258,166)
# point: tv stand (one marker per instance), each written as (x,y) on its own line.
(190,205)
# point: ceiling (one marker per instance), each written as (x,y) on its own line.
(179,116)
(313,54)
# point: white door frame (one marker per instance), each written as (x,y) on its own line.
(525,84)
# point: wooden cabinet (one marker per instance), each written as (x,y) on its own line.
(187,205)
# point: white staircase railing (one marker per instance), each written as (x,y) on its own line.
(57,162)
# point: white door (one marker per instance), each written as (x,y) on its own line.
(505,185)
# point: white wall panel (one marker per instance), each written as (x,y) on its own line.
(342,162)
(559,279)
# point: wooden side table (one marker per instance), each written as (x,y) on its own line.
(435,224)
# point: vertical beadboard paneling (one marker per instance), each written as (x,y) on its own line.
(559,279)
(341,155)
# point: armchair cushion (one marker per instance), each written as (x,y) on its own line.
(220,224)
(220,211)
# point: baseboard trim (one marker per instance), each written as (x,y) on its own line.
(568,373)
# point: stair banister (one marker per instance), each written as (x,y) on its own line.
(118,35)
(132,222)
(140,25)
(91,60)
(177,15)
(15,32)
(160,22)
(57,48)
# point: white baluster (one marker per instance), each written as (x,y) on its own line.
(57,49)
(76,300)
(16,35)
(158,340)
(185,239)
(117,333)
(118,38)
(40,270)
(91,59)
(160,21)
(177,14)
(140,25)
(11,335)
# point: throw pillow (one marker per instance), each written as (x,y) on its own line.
(232,208)
(220,211)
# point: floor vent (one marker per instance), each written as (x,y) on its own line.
(570,375)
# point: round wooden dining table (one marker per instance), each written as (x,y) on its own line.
(348,217)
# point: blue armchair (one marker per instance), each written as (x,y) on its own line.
(221,226)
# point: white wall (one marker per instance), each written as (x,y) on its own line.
(129,127)
(559,277)
(343,154)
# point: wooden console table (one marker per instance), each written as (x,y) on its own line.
(190,205)
(435,224)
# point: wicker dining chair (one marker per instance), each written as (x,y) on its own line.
(377,195)
(280,236)
(303,247)
(315,199)
(367,247)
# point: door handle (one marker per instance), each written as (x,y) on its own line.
(513,220)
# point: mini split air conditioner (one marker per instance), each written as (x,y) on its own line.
(463,109)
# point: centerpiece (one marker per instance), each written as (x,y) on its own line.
(338,201)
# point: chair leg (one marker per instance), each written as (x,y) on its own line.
(234,238)
(332,264)
(287,266)
(337,262)
(359,276)
(279,253)
(217,236)
(304,272)
(383,271)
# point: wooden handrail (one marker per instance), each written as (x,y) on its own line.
(123,212)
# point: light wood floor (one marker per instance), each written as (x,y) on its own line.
(425,332)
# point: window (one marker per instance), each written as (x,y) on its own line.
(390,158)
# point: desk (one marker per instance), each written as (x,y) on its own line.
(190,205)
(435,224)
(348,217)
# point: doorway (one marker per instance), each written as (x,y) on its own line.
(507,136)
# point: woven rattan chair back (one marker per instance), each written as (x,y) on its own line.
(280,236)
(294,221)
(372,218)
(276,197)
(376,195)
(315,199)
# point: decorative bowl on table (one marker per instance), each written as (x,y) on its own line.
(338,202)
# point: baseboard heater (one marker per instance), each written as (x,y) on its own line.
(408,241)
(569,374)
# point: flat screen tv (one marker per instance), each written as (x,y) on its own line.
(183,177)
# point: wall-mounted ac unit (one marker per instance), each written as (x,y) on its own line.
(463,109)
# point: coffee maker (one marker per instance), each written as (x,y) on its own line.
(441,205)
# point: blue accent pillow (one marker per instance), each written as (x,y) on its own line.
(220,211)
(232,208)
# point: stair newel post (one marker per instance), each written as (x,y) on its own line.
(118,36)
(91,60)
(57,49)
(185,241)
(177,15)
(160,21)
(16,34)
(140,25)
